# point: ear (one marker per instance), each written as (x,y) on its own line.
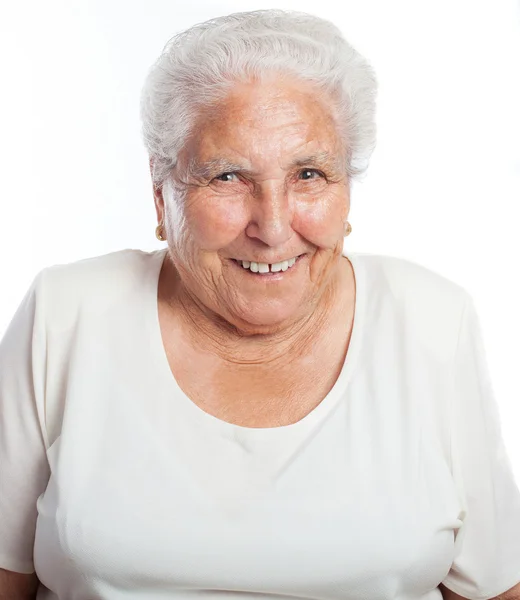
(157,195)
(347,204)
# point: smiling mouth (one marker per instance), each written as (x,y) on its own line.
(263,268)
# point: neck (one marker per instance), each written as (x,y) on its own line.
(246,344)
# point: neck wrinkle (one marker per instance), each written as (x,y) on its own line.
(209,332)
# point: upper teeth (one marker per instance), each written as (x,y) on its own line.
(258,267)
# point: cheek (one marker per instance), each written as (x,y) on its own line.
(215,223)
(321,220)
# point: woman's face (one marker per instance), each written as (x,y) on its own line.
(262,180)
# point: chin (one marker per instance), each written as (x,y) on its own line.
(266,319)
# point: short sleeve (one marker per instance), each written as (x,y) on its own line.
(487,546)
(24,470)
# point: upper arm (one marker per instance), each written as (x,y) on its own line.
(19,586)
(487,545)
(447,594)
(512,594)
(24,469)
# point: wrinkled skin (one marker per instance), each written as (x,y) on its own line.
(266,211)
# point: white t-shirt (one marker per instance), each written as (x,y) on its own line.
(115,485)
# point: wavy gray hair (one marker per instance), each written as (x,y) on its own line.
(199,66)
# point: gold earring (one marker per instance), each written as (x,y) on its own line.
(158,232)
(348,228)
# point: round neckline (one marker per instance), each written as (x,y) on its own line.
(175,392)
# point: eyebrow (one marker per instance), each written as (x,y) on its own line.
(215,166)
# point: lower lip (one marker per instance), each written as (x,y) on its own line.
(269,276)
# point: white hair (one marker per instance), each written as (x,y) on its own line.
(199,66)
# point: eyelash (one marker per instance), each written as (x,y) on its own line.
(315,170)
(301,171)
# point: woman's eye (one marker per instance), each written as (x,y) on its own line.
(223,176)
(307,171)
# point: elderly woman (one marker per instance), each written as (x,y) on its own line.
(253,411)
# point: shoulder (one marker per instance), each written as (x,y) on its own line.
(92,285)
(409,280)
(122,264)
(420,298)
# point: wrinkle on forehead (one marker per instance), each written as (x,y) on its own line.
(263,124)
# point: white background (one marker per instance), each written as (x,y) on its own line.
(443,188)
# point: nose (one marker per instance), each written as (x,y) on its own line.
(271,216)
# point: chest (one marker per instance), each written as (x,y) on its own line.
(277,393)
(146,501)
(159,506)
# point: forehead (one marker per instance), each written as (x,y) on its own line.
(263,121)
